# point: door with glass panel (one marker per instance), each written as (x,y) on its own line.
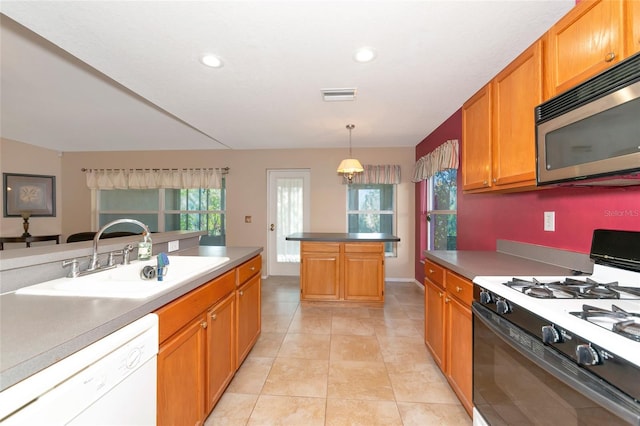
(289,196)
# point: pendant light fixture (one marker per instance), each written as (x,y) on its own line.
(350,166)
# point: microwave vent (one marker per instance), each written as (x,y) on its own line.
(620,75)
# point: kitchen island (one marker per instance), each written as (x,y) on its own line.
(342,268)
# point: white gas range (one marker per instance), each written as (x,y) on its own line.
(579,334)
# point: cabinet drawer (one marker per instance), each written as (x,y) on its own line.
(316,247)
(249,269)
(434,272)
(176,314)
(363,247)
(460,288)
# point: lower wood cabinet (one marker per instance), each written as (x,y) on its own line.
(181,376)
(448,328)
(204,337)
(345,272)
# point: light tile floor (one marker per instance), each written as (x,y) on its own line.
(316,365)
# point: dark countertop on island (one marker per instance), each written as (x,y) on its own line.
(342,237)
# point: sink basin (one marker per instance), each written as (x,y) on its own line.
(124,281)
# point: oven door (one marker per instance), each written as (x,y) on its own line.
(517,380)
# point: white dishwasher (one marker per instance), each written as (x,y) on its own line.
(110,382)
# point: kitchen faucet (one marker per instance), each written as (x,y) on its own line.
(94,264)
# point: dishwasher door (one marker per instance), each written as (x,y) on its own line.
(112,381)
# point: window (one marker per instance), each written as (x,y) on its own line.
(371,208)
(167,210)
(441,196)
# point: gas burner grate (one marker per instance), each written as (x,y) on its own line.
(617,320)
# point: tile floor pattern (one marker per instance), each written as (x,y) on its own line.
(316,365)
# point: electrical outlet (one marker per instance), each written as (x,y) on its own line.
(173,245)
(550,221)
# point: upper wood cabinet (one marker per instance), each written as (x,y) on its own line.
(632,25)
(476,141)
(498,127)
(517,90)
(586,41)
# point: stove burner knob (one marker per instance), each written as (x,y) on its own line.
(502,307)
(485,297)
(587,355)
(550,334)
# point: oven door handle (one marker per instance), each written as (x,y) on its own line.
(554,363)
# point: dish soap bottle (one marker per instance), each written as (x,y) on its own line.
(145,247)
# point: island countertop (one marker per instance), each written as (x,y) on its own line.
(342,237)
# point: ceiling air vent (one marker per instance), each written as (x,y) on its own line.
(335,95)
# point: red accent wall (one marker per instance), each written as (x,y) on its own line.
(485,218)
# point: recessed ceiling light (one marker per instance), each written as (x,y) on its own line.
(365,54)
(212,61)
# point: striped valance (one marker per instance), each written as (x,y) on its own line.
(446,156)
(106,179)
(376,174)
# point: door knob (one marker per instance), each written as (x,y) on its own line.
(272,227)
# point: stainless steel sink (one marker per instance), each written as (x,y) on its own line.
(125,282)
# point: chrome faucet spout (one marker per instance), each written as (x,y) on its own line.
(94,263)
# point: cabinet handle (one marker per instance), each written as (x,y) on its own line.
(241,293)
(253,268)
(214,316)
(610,57)
(458,289)
(447,300)
(495,180)
(439,294)
(431,271)
(203,324)
(485,183)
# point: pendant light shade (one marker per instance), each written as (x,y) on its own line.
(350,166)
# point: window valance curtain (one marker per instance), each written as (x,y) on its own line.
(376,174)
(446,156)
(106,179)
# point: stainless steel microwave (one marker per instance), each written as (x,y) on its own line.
(590,135)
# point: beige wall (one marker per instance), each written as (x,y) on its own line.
(17,157)
(247,189)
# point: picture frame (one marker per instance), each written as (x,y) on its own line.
(35,194)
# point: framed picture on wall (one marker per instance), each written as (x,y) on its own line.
(32,194)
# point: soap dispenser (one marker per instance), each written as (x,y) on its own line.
(145,247)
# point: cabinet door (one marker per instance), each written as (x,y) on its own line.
(248,320)
(181,373)
(476,141)
(516,92)
(363,276)
(459,354)
(320,276)
(632,35)
(221,354)
(434,322)
(586,41)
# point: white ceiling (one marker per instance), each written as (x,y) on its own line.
(106,75)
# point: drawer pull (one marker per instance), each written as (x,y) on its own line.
(241,293)
(431,271)
(447,300)
(214,316)
(253,268)
(610,57)
(440,294)
(203,324)
(458,289)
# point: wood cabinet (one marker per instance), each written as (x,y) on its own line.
(498,130)
(448,328)
(181,375)
(476,141)
(319,271)
(363,271)
(586,41)
(199,336)
(221,348)
(342,272)
(248,304)
(632,25)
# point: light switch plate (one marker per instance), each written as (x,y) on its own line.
(550,221)
(173,246)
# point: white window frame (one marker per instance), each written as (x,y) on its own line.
(393,212)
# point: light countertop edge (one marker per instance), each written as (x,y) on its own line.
(38,331)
